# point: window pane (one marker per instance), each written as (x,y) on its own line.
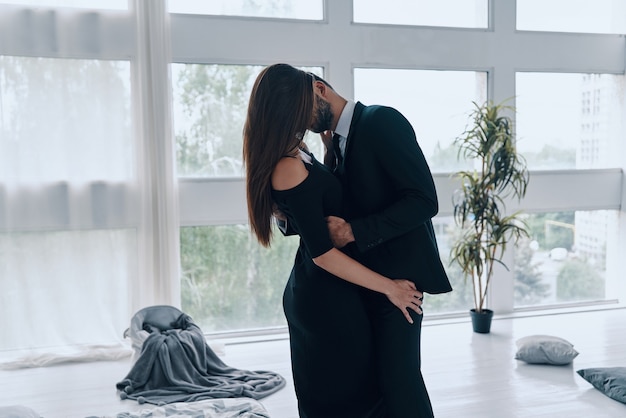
(567,121)
(453,13)
(64,120)
(210,104)
(238,284)
(67,164)
(71,286)
(461,298)
(83,4)
(229,281)
(564,260)
(292,9)
(598,16)
(437,103)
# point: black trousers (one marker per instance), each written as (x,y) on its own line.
(398,361)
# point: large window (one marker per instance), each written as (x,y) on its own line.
(565,258)
(71,285)
(53,126)
(229,281)
(437,103)
(67,162)
(453,13)
(82,4)
(461,298)
(570,121)
(293,9)
(597,16)
(210,104)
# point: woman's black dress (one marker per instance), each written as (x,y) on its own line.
(330,337)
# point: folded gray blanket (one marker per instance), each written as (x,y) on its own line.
(177,365)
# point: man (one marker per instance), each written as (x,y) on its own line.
(389,200)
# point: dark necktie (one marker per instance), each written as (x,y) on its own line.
(337,149)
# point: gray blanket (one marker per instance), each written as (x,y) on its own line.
(177,365)
(210,408)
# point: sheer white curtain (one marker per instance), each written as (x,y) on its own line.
(153,93)
(88,198)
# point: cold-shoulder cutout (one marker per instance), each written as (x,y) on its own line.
(288,173)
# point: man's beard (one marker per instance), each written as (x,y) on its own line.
(323,117)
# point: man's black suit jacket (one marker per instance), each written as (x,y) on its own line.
(390,198)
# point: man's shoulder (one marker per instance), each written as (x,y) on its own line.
(376,120)
(379,111)
(371,117)
(370,121)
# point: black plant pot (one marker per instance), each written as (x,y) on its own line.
(481,321)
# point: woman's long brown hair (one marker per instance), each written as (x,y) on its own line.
(279,112)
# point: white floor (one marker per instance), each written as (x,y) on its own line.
(468,375)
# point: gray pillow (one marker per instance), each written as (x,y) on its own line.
(545,349)
(17,411)
(609,380)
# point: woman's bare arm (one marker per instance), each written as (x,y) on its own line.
(402,293)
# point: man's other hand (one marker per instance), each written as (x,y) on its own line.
(340,231)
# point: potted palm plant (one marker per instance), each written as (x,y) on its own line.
(479,204)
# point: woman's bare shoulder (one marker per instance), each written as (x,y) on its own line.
(288,173)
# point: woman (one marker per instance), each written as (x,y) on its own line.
(330,337)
